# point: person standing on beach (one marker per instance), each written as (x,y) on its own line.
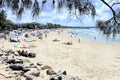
(79,40)
(45,35)
(71,36)
(95,38)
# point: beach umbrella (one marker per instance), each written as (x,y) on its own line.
(16,45)
(21,46)
(26,46)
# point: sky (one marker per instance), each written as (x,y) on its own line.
(55,17)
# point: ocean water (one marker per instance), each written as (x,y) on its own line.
(94,34)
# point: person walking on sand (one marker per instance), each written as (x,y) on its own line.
(79,40)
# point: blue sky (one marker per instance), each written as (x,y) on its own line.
(48,16)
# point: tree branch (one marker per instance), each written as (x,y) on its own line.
(115,4)
(113,12)
(110,1)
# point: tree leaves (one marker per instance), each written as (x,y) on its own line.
(1,3)
(26,3)
(19,6)
(112,25)
(36,9)
(20,12)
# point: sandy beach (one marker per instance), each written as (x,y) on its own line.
(87,59)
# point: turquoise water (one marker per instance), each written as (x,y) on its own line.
(94,34)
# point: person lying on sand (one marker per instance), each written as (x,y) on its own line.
(68,43)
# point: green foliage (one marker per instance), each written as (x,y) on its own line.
(39,26)
(4,23)
(107,28)
(8,25)
(50,25)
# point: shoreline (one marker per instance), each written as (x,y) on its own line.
(88,34)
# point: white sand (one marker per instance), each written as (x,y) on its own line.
(89,60)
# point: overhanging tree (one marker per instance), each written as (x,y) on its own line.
(112,25)
(2,19)
(80,7)
(75,7)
